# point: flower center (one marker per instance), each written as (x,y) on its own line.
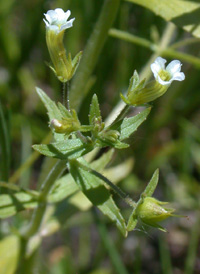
(164,75)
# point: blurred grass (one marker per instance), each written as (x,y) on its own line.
(169,139)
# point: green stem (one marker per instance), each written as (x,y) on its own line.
(38,213)
(92,51)
(167,52)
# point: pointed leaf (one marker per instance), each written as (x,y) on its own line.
(71,148)
(53,111)
(149,190)
(63,111)
(184,14)
(132,222)
(95,191)
(94,109)
(130,125)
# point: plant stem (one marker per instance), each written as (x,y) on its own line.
(167,52)
(92,51)
(38,213)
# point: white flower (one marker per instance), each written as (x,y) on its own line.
(56,20)
(172,72)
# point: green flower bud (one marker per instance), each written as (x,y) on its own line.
(66,125)
(150,211)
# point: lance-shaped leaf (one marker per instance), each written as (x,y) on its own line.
(94,110)
(66,186)
(130,125)
(96,192)
(149,190)
(53,111)
(184,14)
(71,148)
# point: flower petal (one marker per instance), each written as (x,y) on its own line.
(67,14)
(179,76)
(161,62)
(68,24)
(174,66)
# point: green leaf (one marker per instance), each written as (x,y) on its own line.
(9,254)
(71,148)
(184,14)
(132,222)
(10,204)
(130,125)
(66,186)
(149,190)
(64,112)
(95,191)
(94,110)
(53,111)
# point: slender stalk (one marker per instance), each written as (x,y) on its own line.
(167,52)
(92,51)
(38,213)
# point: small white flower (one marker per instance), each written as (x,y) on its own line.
(56,20)
(172,72)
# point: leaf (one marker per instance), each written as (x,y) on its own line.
(9,254)
(53,111)
(149,190)
(184,14)
(64,112)
(10,204)
(132,222)
(130,125)
(94,110)
(66,186)
(99,196)
(71,148)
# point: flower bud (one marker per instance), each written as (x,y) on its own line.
(150,211)
(66,125)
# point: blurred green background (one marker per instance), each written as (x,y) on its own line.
(169,140)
